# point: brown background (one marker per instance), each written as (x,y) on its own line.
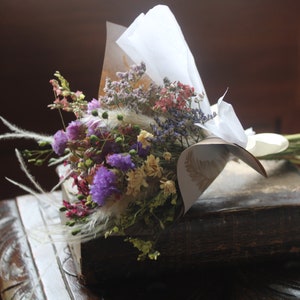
(252,47)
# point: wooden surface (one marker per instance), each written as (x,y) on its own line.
(31,268)
(251,47)
(33,263)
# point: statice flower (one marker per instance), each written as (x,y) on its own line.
(126,93)
(180,126)
(174,95)
(103,186)
(120,161)
(59,142)
(135,73)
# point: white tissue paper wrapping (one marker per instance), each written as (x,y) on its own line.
(156,39)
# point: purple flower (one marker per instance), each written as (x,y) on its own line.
(74,130)
(60,142)
(93,105)
(142,152)
(103,185)
(120,161)
(93,128)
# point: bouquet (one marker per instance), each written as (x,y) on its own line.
(134,160)
(122,151)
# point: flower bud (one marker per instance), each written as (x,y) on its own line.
(80,197)
(105,115)
(132,152)
(119,140)
(43,143)
(38,162)
(95,113)
(88,163)
(94,139)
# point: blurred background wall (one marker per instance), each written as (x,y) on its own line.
(250,47)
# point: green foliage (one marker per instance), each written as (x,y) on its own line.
(151,216)
(291,154)
(145,248)
(38,156)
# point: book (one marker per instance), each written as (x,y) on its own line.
(243,217)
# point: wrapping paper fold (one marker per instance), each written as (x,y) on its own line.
(199,165)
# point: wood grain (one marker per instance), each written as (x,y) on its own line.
(19,277)
(32,268)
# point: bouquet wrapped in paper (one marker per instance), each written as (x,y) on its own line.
(136,159)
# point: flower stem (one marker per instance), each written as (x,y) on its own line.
(292,153)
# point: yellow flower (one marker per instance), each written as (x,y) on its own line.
(136,179)
(167,155)
(144,137)
(169,187)
(152,167)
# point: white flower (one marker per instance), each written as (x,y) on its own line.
(266,143)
